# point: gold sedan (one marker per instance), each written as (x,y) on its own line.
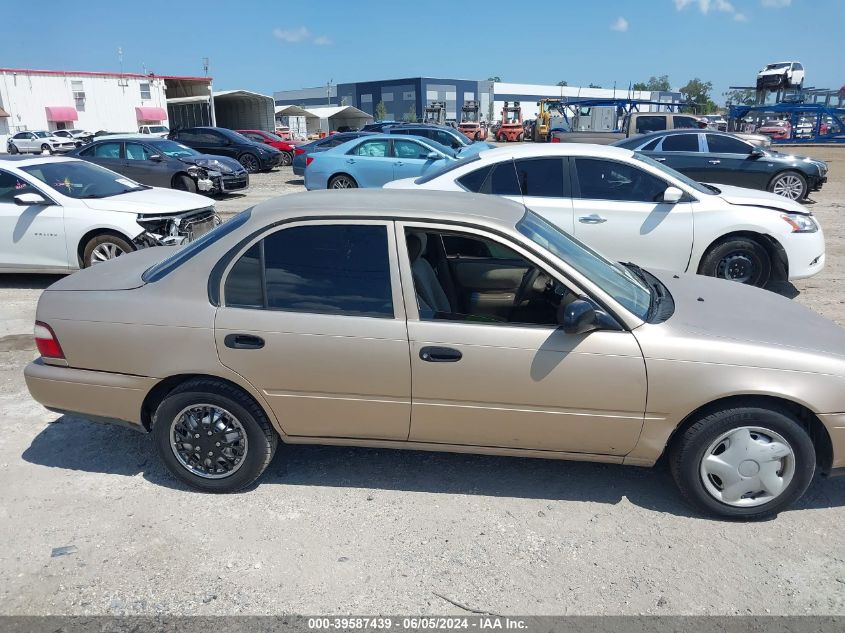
(448,322)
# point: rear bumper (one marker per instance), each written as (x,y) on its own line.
(234,182)
(101,395)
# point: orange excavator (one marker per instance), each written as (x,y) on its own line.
(470,126)
(511,129)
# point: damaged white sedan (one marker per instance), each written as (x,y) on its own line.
(61,214)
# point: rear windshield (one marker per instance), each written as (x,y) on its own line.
(167,266)
(436,173)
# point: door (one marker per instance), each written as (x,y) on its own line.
(107,154)
(503,374)
(370,163)
(138,165)
(684,153)
(731,162)
(30,236)
(410,159)
(27,142)
(313,317)
(618,211)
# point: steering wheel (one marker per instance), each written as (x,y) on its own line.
(528,279)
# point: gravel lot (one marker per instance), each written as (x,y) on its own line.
(341,530)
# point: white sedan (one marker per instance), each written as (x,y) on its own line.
(61,214)
(38,142)
(632,208)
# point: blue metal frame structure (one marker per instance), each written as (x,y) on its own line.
(624,107)
(834,118)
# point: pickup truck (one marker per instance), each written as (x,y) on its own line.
(643,123)
(154,130)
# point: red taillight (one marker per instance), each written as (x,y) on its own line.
(555,139)
(298,151)
(309,160)
(46,341)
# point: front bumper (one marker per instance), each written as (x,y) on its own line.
(96,394)
(771,81)
(835,425)
(805,254)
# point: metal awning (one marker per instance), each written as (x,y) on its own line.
(61,113)
(149,113)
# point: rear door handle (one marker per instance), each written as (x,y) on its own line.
(243,341)
(440,355)
(660,160)
(714,162)
(591,219)
(351,161)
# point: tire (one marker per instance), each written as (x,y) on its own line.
(183,182)
(46,148)
(520,137)
(250,162)
(789,184)
(783,447)
(249,453)
(740,259)
(342,181)
(287,159)
(104,247)
(13,149)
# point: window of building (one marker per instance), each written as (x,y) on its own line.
(387,96)
(146,93)
(78,95)
(366,98)
(409,96)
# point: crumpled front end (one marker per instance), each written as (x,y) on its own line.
(176,228)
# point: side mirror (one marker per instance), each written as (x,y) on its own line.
(433,156)
(157,157)
(672,195)
(756,152)
(29,200)
(578,317)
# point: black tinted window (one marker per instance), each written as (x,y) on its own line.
(339,269)
(503,181)
(11,186)
(608,180)
(650,124)
(650,145)
(541,177)
(719,144)
(681,143)
(685,121)
(475,179)
(243,285)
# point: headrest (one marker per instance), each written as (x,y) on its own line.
(416,245)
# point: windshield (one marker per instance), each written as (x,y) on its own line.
(617,281)
(441,148)
(689,182)
(43,134)
(80,179)
(158,128)
(776,66)
(447,167)
(173,149)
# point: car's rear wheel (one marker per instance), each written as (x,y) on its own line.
(287,159)
(789,184)
(343,182)
(102,248)
(46,148)
(741,259)
(743,462)
(250,162)
(183,182)
(213,436)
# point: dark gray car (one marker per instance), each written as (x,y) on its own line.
(722,158)
(164,163)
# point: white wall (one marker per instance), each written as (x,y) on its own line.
(108,104)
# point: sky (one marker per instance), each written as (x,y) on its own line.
(266,46)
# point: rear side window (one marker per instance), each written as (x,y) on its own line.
(719,144)
(502,181)
(681,143)
(685,122)
(650,124)
(325,269)
(541,177)
(648,147)
(474,180)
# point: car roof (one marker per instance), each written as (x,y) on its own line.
(436,206)
(26,161)
(530,150)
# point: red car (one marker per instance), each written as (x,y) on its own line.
(260,136)
(776,129)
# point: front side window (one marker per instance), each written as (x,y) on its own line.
(447,139)
(608,180)
(325,269)
(719,144)
(11,186)
(373,149)
(681,143)
(136,151)
(648,147)
(173,149)
(685,122)
(409,149)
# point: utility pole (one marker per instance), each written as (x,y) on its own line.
(120,58)
(205,66)
(329,92)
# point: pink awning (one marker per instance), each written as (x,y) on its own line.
(61,113)
(146,113)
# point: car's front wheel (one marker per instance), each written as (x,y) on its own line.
(183,182)
(213,436)
(741,259)
(12,148)
(102,248)
(46,148)
(789,184)
(743,462)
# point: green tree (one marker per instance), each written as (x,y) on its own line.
(563,83)
(411,114)
(740,97)
(654,84)
(696,94)
(640,86)
(495,78)
(381,112)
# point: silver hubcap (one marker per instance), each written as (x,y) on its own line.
(208,441)
(342,183)
(104,252)
(788,186)
(747,467)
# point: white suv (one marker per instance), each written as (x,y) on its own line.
(38,142)
(781,75)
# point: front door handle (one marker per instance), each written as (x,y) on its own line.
(351,161)
(399,163)
(243,341)
(591,219)
(714,162)
(440,355)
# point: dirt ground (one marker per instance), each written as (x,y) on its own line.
(343,530)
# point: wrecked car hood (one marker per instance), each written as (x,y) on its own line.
(154,200)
